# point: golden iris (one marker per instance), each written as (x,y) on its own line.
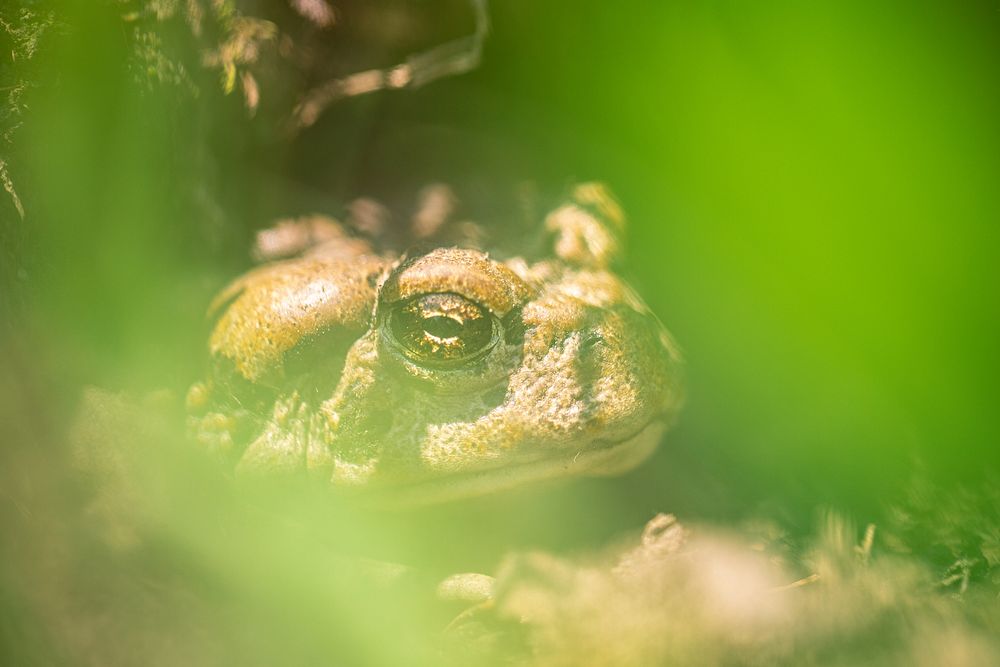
(442,329)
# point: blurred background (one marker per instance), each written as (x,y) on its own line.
(813,199)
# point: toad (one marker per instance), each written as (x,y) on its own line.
(432,365)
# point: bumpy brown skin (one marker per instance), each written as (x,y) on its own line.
(308,374)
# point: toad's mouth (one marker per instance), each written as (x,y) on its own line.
(599,459)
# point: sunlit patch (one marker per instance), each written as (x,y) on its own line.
(346,473)
(308,298)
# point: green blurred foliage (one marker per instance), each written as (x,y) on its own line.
(813,191)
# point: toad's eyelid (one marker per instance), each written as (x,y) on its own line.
(469,274)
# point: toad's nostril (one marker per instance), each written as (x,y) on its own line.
(494,397)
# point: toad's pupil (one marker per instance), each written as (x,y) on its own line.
(441,326)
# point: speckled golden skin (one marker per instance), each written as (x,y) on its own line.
(579,377)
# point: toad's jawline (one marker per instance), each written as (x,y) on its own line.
(607,459)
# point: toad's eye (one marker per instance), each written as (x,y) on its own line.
(442,329)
